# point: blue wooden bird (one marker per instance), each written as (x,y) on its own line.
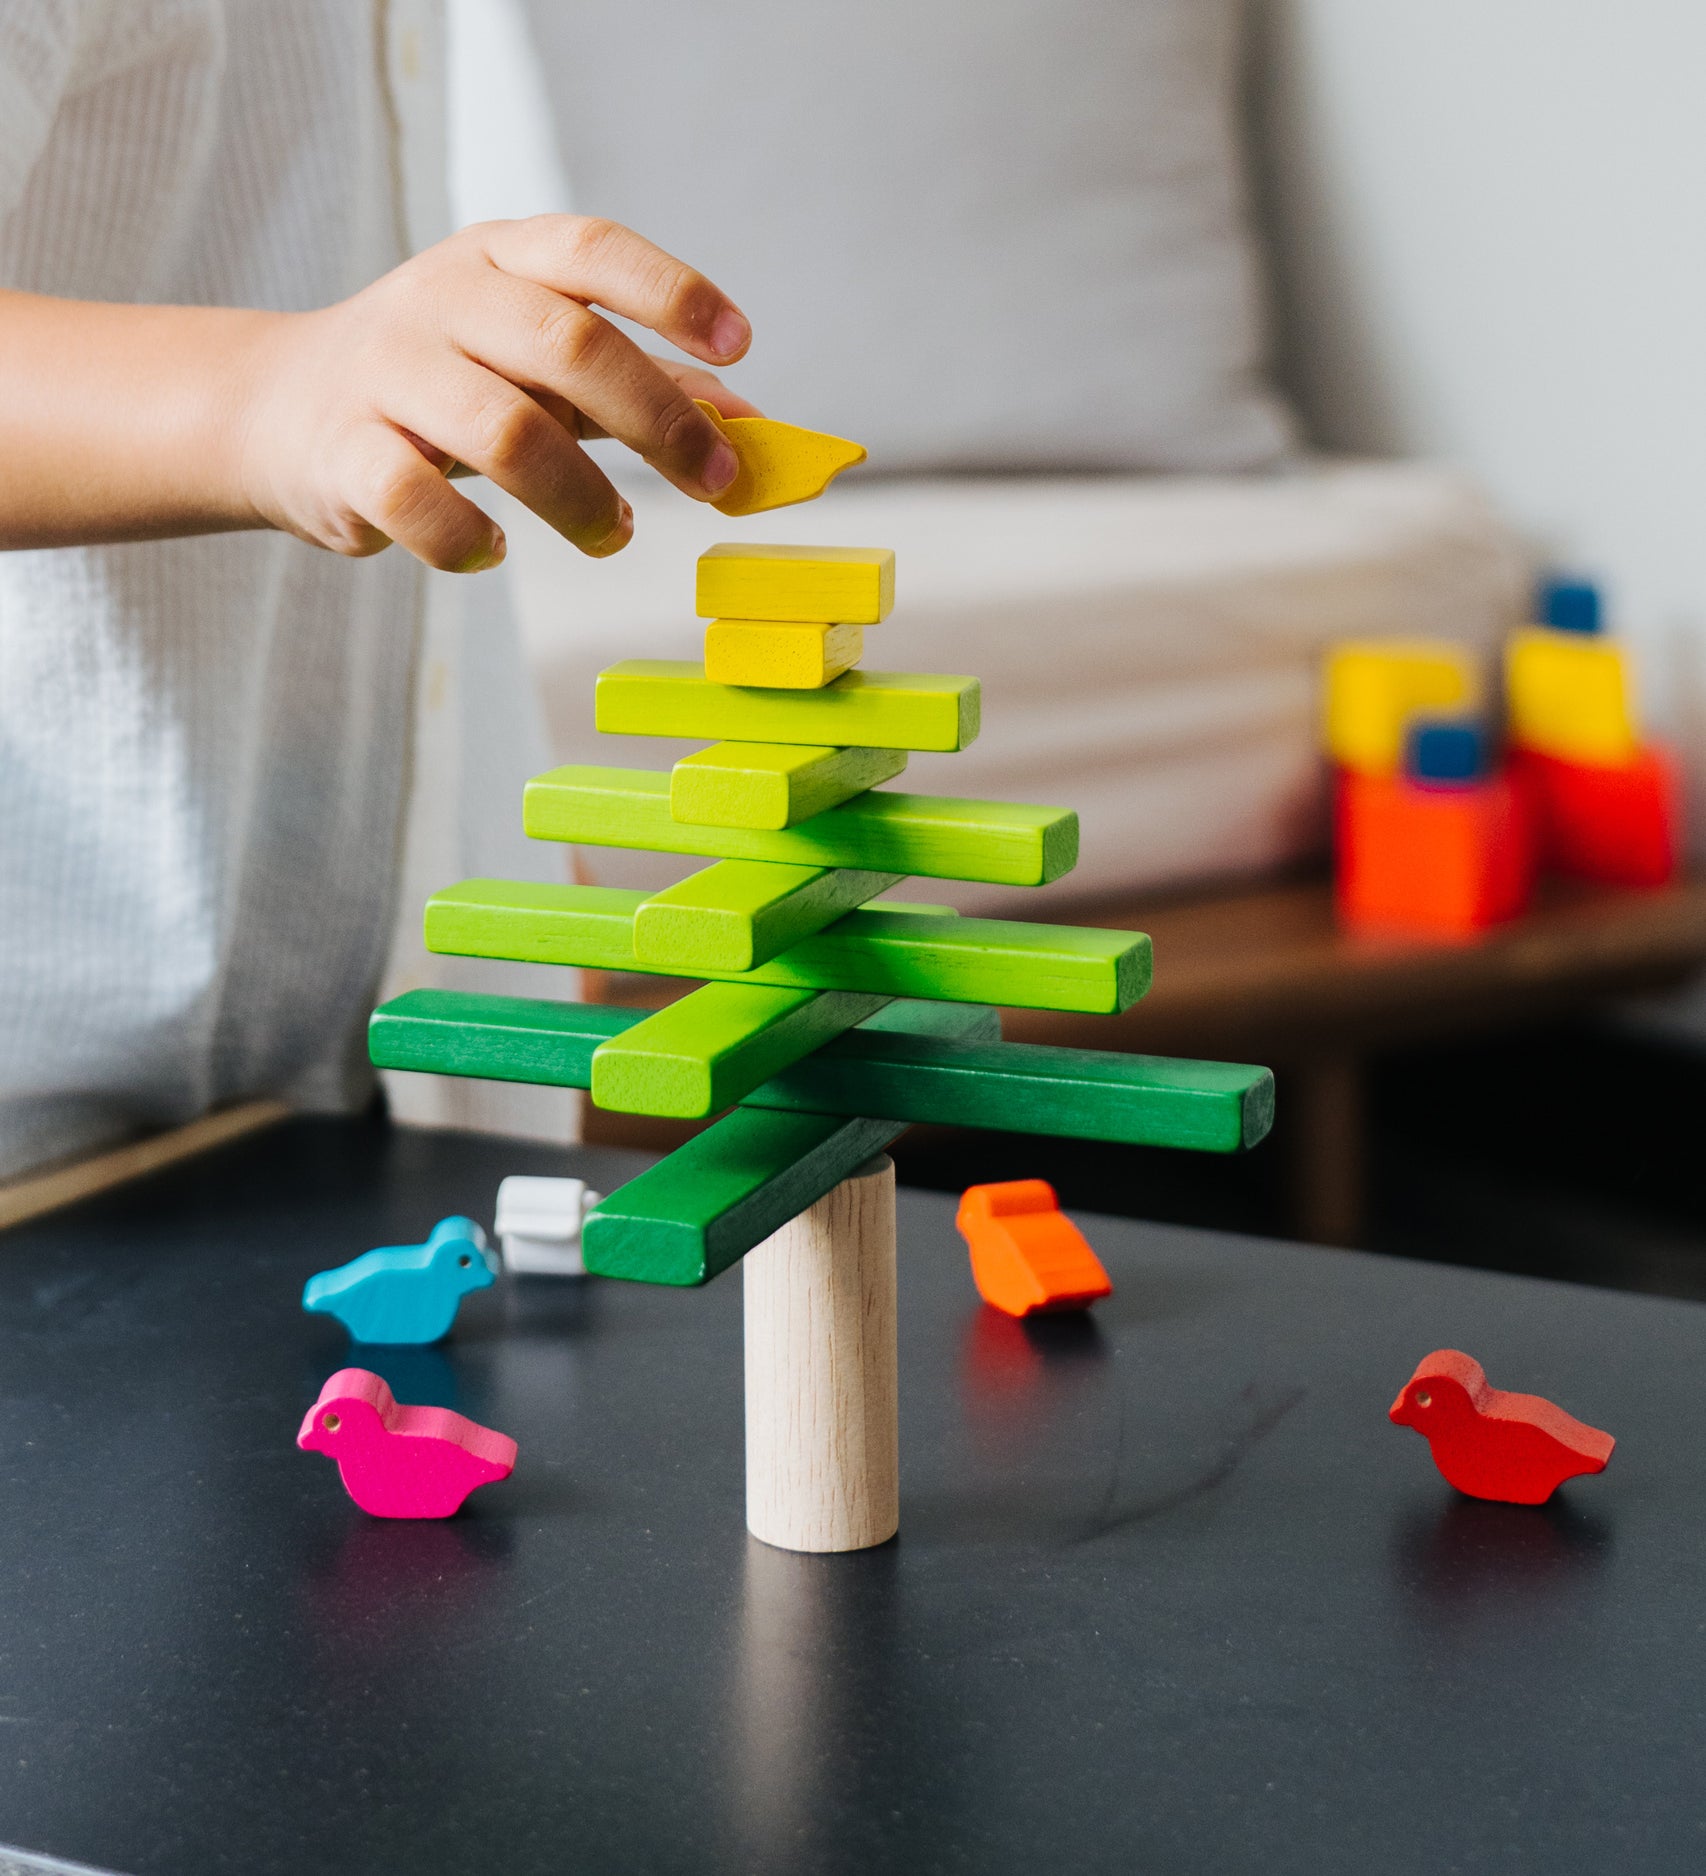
(406,1292)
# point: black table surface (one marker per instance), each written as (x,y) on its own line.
(1170,1593)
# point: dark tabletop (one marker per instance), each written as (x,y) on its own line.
(1170,1594)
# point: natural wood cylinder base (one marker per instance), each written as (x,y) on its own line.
(822,1372)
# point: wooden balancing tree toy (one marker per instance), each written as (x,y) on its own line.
(825,1024)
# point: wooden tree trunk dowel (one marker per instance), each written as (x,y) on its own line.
(822,1372)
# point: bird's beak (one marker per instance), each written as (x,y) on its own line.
(308,1438)
(1397,1415)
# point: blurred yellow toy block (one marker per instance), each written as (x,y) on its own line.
(779,462)
(1375,686)
(835,585)
(1570,697)
(780,654)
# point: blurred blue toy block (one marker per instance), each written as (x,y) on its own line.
(1570,606)
(406,1293)
(1446,750)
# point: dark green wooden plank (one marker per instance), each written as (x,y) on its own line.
(706,1205)
(908,1062)
(688,1218)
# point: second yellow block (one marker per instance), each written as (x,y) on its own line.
(780,655)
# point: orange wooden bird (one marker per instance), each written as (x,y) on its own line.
(1516,1448)
(1026,1255)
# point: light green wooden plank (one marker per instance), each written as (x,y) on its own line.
(773,785)
(885,709)
(931,836)
(823,585)
(888,951)
(716,1045)
(739,913)
(706,1205)
(894,1065)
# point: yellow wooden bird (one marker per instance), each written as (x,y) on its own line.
(779,462)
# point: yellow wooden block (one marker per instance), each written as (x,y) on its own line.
(780,654)
(1570,696)
(842,585)
(779,462)
(1375,686)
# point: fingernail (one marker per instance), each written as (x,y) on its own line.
(721,468)
(729,332)
(491,555)
(618,537)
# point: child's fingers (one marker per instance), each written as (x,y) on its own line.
(566,354)
(481,419)
(602,262)
(399,492)
(697,383)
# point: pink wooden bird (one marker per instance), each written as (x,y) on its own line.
(401,1462)
(1514,1447)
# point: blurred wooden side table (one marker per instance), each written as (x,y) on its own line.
(1263,974)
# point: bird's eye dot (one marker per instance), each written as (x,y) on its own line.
(1424,1400)
(464,1260)
(331,1423)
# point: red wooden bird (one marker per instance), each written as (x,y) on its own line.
(1514,1447)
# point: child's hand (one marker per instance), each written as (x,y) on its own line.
(484,351)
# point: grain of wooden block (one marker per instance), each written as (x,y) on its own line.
(738,914)
(780,655)
(884,709)
(822,1372)
(773,785)
(843,585)
(933,836)
(716,1045)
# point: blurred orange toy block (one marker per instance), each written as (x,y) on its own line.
(1620,823)
(1444,860)
(1026,1255)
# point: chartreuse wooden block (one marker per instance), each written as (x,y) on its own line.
(895,951)
(716,1045)
(933,836)
(779,462)
(1570,697)
(739,913)
(1375,687)
(773,785)
(694,1214)
(780,655)
(887,709)
(850,585)
(892,1065)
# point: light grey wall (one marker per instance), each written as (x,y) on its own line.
(1488,221)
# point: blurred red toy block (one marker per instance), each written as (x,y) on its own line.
(1026,1255)
(1618,823)
(1446,861)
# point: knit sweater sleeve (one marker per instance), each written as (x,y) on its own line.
(38,47)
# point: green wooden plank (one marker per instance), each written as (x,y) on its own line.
(885,709)
(891,1065)
(691,1216)
(772,786)
(738,914)
(1002,843)
(889,951)
(706,1205)
(823,585)
(716,1045)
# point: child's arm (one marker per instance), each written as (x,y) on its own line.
(137,422)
